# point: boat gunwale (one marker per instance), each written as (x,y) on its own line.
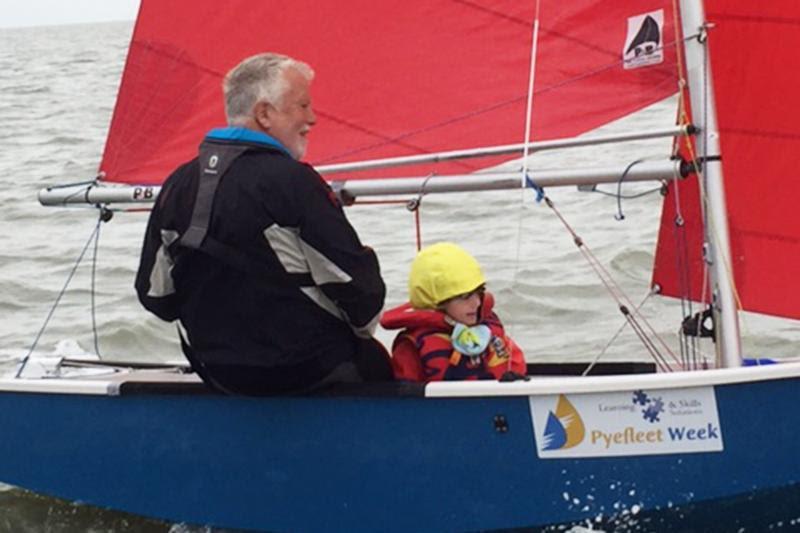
(149,382)
(593,384)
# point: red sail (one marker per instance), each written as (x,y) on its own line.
(753,49)
(393,77)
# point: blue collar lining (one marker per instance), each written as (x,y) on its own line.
(236,133)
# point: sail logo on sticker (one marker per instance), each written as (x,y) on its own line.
(564,428)
(644,43)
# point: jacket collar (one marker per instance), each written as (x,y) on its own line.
(245,135)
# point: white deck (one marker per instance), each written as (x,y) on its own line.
(579,384)
(102,384)
(111,383)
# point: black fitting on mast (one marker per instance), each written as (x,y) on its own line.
(701,325)
(688,167)
(106,214)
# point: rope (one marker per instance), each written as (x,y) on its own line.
(25,359)
(619,296)
(75,184)
(101,218)
(689,345)
(418,228)
(620,216)
(529,105)
(712,230)
(525,180)
(617,334)
(618,195)
(412,205)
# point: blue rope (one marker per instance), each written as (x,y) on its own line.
(532,185)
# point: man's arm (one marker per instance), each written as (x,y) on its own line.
(343,268)
(154,284)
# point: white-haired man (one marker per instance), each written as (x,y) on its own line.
(251,251)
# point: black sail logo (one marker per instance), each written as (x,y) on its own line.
(644,42)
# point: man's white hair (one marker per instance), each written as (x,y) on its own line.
(258,78)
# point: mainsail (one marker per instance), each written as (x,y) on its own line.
(753,48)
(393,77)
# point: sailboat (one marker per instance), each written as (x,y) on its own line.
(419,97)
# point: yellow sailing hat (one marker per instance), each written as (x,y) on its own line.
(440,272)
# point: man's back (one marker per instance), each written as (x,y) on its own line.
(281,279)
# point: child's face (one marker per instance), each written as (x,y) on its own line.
(464,308)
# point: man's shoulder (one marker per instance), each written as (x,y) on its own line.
(179,185)
(269,169)
(186,170)
(272,162)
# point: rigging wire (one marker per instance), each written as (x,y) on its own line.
(104,216)
(621,328)
(605,277)
(712,233)
(689,344)
(92,238)
(624,303)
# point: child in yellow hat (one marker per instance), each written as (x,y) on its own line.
(449,331)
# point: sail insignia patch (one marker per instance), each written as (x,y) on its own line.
(644,43)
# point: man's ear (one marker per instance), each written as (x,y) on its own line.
(261,113)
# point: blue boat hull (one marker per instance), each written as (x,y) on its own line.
(388,463)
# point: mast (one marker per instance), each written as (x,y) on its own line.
(717,242)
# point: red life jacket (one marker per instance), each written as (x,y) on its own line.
(424,352)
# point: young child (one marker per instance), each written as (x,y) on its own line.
(449,329)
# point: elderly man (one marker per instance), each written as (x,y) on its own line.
(251,251)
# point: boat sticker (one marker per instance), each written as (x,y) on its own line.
(640,422)
(643,45)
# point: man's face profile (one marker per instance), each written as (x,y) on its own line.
(291,119)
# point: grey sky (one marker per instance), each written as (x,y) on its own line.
(52,12)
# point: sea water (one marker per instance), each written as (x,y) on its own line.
(57,91)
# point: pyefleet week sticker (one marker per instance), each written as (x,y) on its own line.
(641,422)
(644,43)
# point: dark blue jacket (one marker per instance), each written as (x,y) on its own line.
(288,283)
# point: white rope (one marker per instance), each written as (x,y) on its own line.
(529,107)
(527,137)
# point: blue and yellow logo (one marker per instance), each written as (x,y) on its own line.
(564,428)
